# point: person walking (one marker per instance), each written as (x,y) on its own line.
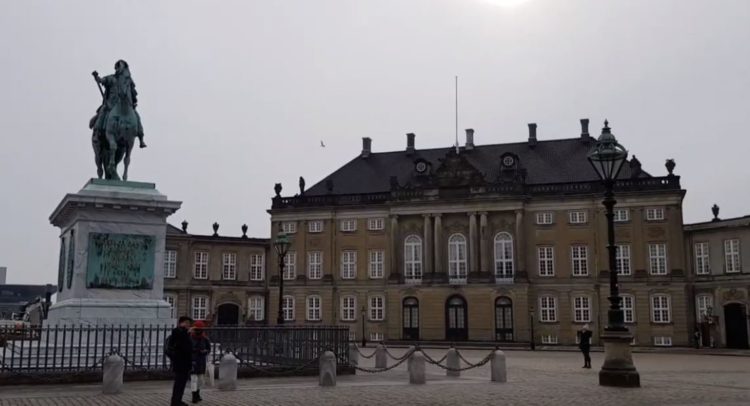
(201,349)
(180,352)
(584,343)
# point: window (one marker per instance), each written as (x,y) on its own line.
(663,341)
(352,336)
(256,308)
(349,225)
(655,214)
(581,309)
(544,217)
(657,255)
(579,256)
(546,261)
(171,300)
(376,337)
(703,307)
(702,263)
(622,259)
(170,264)
(348,308)
(622,215)
(313,308)
(549,339)
(628,308)
(376,264)
(375,224)
(315,264)
(314,226)
(732,256)
(547,309)
(229,268)
(288,227)
(503,256)
(577,216)
(349,264)
(201,265)
(457,258)
(290,265)
(257,265)
(200,307)
(377,308)
(660,309)
(412,259)
(287,308)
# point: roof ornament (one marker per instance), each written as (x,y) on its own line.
(216,229)
(715,211)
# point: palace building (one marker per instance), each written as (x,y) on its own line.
(497,242)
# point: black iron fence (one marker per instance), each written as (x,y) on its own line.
(65,349)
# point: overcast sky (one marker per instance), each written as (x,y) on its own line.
(237,95)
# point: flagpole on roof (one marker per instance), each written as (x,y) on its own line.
(456,144)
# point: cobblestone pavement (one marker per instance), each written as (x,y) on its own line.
(534,378)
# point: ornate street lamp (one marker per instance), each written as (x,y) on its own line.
(364,340)
(281,244)
(607,157)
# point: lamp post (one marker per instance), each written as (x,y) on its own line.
(531,321)
(281,244)
(607,157)
(364,340)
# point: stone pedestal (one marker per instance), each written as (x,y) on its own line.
(618,368)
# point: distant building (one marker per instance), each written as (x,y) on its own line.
(15,300)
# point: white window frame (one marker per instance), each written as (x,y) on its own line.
(376,266)
(655,214)
(200,267)
(376,224)
(457,259)
(290,266)
(413,259)
(229,266)
(314,308)
(172,300)
(622,215)
(623,264)
(628,308)
(547,309)
(503,251)
(170,264)
(257,267)
(702,303)
(348,225)
(348,308)
(315,226)
(662,341)
(199,308)
(287,307)
(577,217)
(256,306)
(376,307)
(702,258)
(315,265)
(732,260)
(376,337)
(289,227)
(549,339)
(581,309)
(661,309)
(348,264)
(546,260)
(657,258)
(579,258)
(545,217)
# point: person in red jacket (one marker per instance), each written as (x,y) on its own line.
(201,349)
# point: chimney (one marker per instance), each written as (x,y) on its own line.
(3,273)
(410,143)
(585,129)
(469,139)
(366,146)
(532,134)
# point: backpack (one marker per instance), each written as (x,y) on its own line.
(170,347)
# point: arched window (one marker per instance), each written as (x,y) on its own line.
(503,256)
(413,259)
(457,258)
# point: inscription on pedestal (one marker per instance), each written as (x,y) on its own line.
(120,261)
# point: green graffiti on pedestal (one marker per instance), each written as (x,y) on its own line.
(120,261)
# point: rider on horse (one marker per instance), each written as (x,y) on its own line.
(119,84)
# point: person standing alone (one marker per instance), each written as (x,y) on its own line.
(584,343)
(180,352)
(201,348)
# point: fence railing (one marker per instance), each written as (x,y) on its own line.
(63,349)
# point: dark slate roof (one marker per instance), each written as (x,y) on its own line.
(23,293)
(547,162)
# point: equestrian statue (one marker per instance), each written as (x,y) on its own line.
(116,123)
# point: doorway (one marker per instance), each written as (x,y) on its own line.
(228,315)
(503,319)
(456,326)
(411,319)
(735,322)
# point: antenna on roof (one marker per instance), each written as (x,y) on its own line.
(456,144)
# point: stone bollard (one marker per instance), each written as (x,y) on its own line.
(417,368)
(408,361)
(113,368)
(227,372)
(381,359)
(498,372)
(327,369)
(453,362)
(353,354)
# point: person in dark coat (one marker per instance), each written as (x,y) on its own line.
(584,343)
(201,349)
(181,355)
